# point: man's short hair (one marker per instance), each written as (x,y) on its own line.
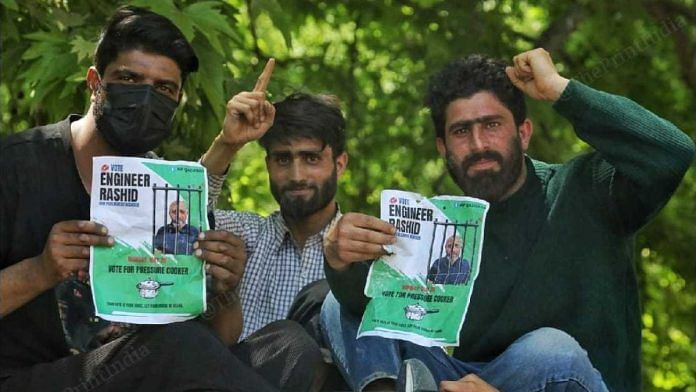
(180,202)
(134,28)
(454,237)
(462,78)
(308,116)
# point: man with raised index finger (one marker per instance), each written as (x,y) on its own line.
(50,338)
(304,139)
(555,305)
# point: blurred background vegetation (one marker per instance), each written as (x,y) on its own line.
(376,57)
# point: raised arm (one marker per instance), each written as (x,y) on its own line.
(641,158)
(249,115)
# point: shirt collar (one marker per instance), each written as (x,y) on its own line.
(173,227)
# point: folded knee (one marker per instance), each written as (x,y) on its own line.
(296,340)
(188,337)
(552,346)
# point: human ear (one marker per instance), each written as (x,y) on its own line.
(525,131)
(441,147)
(341,162)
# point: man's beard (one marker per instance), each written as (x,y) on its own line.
(488,185)
(98,109)
(99,102)
(179,224)
(299,208)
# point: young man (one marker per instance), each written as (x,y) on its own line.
(557,270)
(141,63)
(304,139)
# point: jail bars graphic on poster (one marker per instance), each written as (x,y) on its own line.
(155,210)
(421,290)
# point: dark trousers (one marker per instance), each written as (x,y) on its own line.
(185,356)
(306,310)
(306,307)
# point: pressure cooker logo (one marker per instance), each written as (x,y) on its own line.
(149,288)
(417,312)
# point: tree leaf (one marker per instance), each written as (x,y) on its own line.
(82,48)
(168,9)
(211,78)
(9,4)
(208,19)
(281,19)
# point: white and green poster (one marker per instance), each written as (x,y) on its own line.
(420,292)
(155,210)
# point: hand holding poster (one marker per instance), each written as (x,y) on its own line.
(154,210)
(420,291)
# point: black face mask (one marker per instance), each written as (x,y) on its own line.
(134,118)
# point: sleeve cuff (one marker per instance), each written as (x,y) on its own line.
(215,182)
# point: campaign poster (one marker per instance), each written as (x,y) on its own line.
(421,290)
(155,210)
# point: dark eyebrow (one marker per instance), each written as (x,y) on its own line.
(168,83)
(310,152)
(280,155)
(478,120)
(300,152)
(127,72)
(139,76)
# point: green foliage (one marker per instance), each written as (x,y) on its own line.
(376,56)
(663,332)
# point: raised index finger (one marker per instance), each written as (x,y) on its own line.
(262,81)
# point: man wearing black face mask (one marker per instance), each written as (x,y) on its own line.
(49,336)
(133,119)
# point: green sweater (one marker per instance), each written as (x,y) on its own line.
(559,252)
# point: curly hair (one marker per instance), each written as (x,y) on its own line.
(465,77)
